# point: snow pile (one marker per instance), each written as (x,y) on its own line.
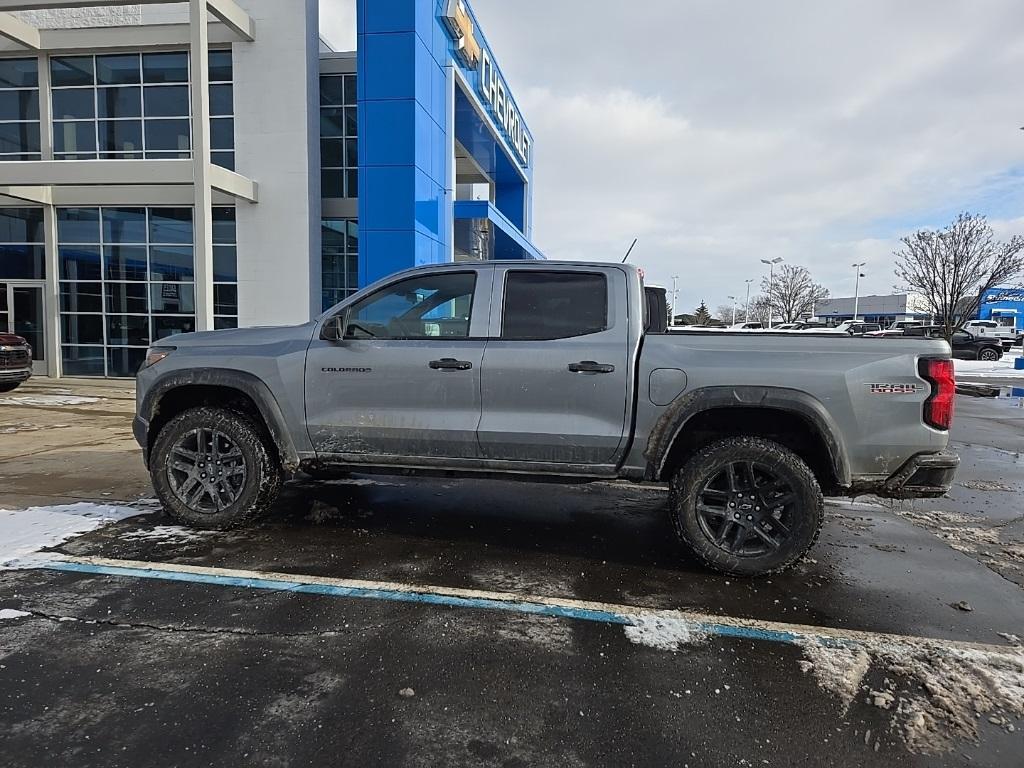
(10,613)
(25,532)
(1002,368)
(48,400)
(936,692)
(662,631)
(168,533)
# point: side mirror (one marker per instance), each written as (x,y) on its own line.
(334,329)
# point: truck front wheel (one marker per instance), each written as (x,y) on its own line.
(212,469)
(747,506)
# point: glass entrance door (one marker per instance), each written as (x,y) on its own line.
(22,313)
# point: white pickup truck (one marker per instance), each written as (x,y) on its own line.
(1008,335)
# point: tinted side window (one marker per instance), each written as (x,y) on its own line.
(425,307)
(554,305)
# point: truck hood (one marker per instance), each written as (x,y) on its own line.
(241,337)
(9,339)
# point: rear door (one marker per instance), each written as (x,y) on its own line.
(405,380)
(556,370)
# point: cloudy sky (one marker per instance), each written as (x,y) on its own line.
(721,133)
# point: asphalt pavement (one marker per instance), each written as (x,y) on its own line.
(393,621)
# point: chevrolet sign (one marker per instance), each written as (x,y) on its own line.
(491,84)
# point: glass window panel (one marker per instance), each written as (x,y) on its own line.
(222,99)
(224,323)
(170,225)
(120,135)
(165,135)
(165,67)
(351,122)
(126,362)
(332,122)
(225,263)
(79,262)
(75,137)
(121,155)
(124,225)
(82,361)
(350,89)
(119,102)
(222,133)
(332,153)
(81,297)
(167,101)
(417,308)
(168,155)
(21,225)
(19,105)
(554,305)
(225,299)
(78,225)
(332,90)
(220,66)
(223,159)
(173,298)
(172,263)
(117,69)
(168,325)
(332,184)
(352,153)
(124,262)
(74,103)
(352,183)
(333,233)
(127,298)
(22,262)
(81,329)
(19,137)
(71,70)
(224,225)
(19,73)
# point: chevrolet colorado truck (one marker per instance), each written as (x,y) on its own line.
(558,371)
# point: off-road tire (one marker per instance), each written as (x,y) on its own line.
(263,478)
(990,354)
(10,386)
(807,511)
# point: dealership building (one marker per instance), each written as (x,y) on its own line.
(207,164)
(884,309)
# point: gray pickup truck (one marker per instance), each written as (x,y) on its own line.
(554,370)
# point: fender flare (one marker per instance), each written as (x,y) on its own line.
(687,405)
(246,383)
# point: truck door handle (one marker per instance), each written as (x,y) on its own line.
(589,366)
(450,364)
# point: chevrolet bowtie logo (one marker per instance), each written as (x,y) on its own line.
(460,25)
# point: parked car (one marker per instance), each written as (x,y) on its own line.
(901,324)
(15,361)
(1007,335)
(966,346)
(850,328)
(751,326)
(549,371)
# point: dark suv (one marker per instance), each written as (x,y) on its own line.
(15,361)
(966,346)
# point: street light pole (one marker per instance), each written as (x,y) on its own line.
(733,309)
(746,307)
(675,297)
(856,290)
(771,284)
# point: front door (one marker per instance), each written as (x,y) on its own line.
(22,313)
(557,369)
(405,380)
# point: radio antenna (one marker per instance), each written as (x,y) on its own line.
(629,251)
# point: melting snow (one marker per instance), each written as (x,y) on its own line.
(999,369)
(45,400)
(175,533)
(662,631)
(24,532)
(10,613)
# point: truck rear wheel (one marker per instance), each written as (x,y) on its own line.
(747,506)
(211,468)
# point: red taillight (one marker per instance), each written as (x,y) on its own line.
(938,408)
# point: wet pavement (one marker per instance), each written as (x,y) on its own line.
(200,669)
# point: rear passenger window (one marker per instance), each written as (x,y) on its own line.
(553,305)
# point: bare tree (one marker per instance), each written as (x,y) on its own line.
(954,266)
(724,313)
(793,292)
(760,310)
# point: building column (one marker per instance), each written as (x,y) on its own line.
(202,216)
(45,108)
(51,294)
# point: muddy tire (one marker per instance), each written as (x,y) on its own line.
(747,506)
(212,468)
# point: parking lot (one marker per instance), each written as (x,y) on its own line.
(377,620)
